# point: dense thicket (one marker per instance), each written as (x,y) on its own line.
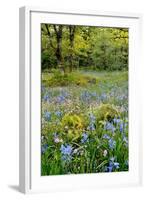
(71,47)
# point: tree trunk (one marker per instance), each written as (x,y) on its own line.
(71,38)
(58,31)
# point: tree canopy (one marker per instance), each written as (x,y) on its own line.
(71,47)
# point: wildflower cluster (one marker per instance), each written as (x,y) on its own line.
(76,137)
(66,151)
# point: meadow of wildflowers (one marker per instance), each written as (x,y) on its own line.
(84,129)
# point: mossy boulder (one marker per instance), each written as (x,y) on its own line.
(73,125)
(106,112)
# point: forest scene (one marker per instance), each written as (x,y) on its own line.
(84,99)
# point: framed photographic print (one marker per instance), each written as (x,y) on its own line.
(79,100)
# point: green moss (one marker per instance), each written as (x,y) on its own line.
(73,125)
(106,112)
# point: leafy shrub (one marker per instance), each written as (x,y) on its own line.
(73,124)
(106,112)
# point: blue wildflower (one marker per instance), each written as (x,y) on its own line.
(66,151)
(60,99)
(105,136)
(48,116)
(84,138)
(112,165)
(91,127)
(109,127)
(44,148)
(116,165)
(112,143)
(116,120)
(85,96)
(46,97)
(58,113)
(121,127)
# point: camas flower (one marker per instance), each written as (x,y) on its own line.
(85,96)
(112,165)
(58,113)
(105,136)
(91,127)
(116,165)
(46,97)
(92,119)
(121,127)
(109,127)
(66,151)
(112,143)
(60,99)
(48,116)
(84,138)
(116,120)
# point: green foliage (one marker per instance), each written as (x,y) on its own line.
(73,125)
(110,50)
(102,48)
(58,78)
(106,112)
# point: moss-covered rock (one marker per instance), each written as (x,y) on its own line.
(73,125)
(106,112)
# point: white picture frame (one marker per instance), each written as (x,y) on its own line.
(29,160)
